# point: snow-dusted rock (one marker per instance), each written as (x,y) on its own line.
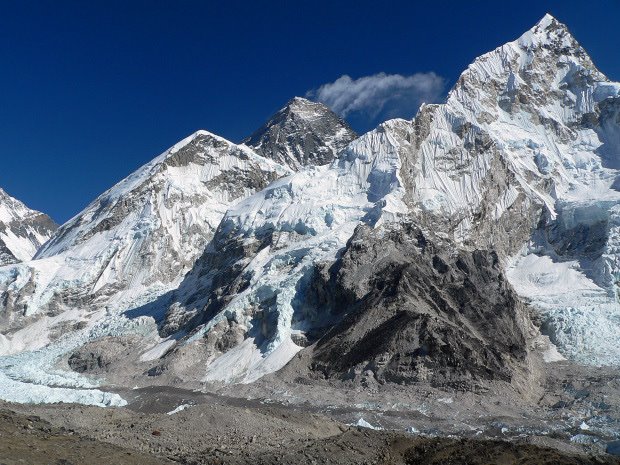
(22,230)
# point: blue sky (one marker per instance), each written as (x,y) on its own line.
(92,90)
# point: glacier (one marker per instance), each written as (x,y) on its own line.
(296,222)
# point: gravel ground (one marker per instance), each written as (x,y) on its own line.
(206,435)
(575,420)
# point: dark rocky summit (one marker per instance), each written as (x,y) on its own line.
(302,133)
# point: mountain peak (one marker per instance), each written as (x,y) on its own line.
(546,21)
(302,133)
(548,30)
(549,24)
(545,56)
(201,166)
(301,101)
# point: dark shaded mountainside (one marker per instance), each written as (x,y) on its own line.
(416,313)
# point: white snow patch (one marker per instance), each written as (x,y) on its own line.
(552,355)
(246,363)
(445,400)
(180,408)
(158,351)
(15,391)
(364,424)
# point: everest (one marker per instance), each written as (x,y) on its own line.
(464,247)
(302,133)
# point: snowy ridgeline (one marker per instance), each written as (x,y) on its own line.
(528,140)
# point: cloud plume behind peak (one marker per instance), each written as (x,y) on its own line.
(380,96)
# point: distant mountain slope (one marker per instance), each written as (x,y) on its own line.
(22,230)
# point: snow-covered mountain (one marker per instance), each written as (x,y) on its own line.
(219,274)
(523,157)
(22,230)
(135,241)
(127,249)
(522,151)
(302,133)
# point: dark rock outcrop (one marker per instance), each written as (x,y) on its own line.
(415,312)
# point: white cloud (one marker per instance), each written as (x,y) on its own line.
(380,95)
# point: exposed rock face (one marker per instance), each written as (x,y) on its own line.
(95,357)
(302,133)
(22,230)
(414,312)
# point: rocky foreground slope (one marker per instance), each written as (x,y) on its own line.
(225,434)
